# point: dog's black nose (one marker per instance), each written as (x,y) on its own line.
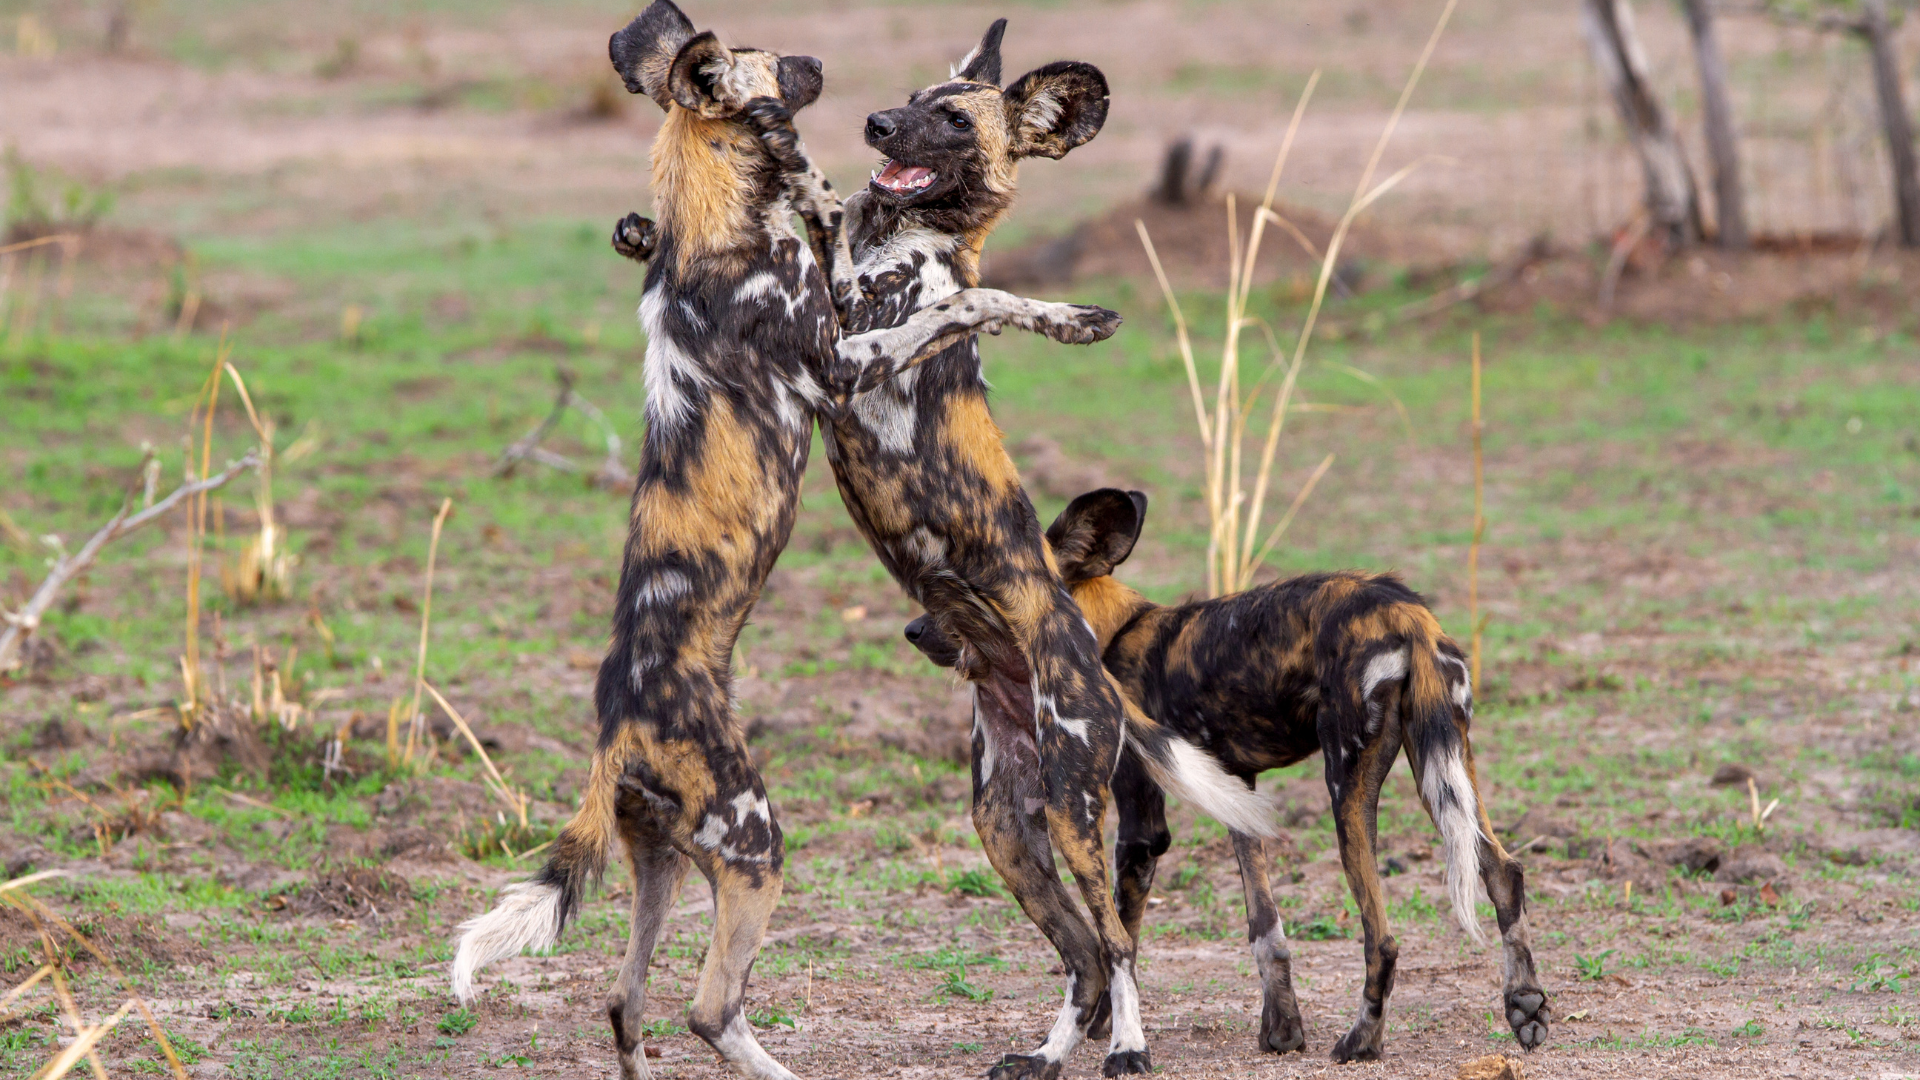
(879,125)
(916,630)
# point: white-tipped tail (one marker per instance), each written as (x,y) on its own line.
(1189,772)
(1449,793)
(527,916)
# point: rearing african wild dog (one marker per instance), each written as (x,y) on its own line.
(742,346)
(1350,664)
(920,465)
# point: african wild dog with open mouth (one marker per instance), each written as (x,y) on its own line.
(743,348)
(1353,665)
(920,465)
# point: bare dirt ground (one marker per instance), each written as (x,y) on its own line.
(1668,599)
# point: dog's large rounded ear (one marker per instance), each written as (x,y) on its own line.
(697,72)
(643,52)
(1096,532)
(982,65)
(1055,108)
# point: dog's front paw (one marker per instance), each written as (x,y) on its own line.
(1079,324)
(769,118)
(635,237)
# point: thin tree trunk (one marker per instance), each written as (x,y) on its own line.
(1672,200)
(1894,120)
(1729,204)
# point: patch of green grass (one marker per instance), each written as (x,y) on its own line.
(976,882)
(456,1023)
(1592,967)
(661,1028)
(772,1016)
(1319,928)
(1878,974)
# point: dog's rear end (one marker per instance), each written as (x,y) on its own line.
(1351,664)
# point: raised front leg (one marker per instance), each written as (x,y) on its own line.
(879,355)
(658,871)
(811,195)
(635,237)
(1280,1028)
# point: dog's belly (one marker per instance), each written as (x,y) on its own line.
(920,465)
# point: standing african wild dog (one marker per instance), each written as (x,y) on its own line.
(1351,664)
(742,348)
(920,465)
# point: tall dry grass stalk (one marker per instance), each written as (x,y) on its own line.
(415,719)
(1475,621)
(198,695)
(264,570)
(1235,545)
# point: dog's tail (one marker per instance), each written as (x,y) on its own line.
(531,914)
(1185,770)
(1436,710)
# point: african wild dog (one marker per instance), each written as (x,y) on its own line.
(920,465)
(1351,664)
(742,349)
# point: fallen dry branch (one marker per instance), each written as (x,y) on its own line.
(21,624)
(1498,277)
(611,474)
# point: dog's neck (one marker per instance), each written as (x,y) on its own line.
(960,232)
(711,185)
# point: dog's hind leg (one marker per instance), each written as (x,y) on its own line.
(1280,1028)
(1143,837)
(658,871)
(1008,803)
(1078,711)
(1356,767)
(1442,755)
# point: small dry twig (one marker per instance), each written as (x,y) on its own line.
(515,801)
(21,624)
(1759,816)
(611,474)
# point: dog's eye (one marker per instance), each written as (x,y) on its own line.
(959,122)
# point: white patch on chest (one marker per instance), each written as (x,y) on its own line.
(667,366)
(890,415)
(936,281)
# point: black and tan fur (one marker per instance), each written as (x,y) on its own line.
(920,465)
(743,348)
(1349,664)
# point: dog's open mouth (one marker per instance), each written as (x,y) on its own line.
(904,179)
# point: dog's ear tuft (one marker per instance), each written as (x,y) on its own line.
(643,52)
(694,81)
(1096,532)
(982,65)
(1055,108)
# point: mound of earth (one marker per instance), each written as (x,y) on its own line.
(1192,241)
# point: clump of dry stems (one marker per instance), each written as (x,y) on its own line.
(57,936)
(1235,544)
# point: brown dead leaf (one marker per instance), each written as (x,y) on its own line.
(1491,1067)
